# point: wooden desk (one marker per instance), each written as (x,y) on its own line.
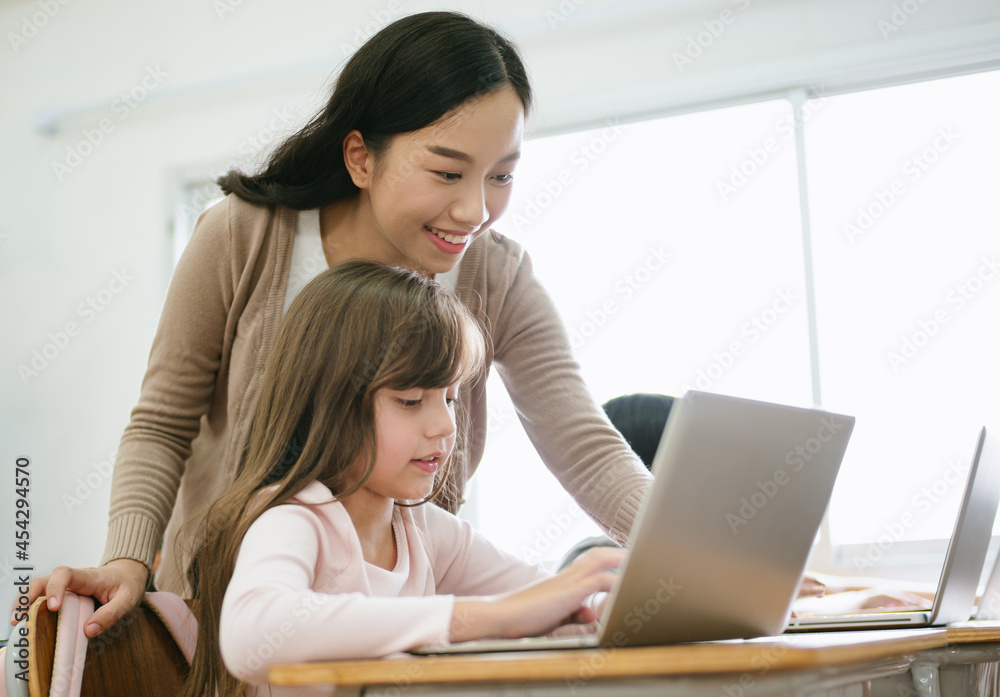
(967,666)
(974,632)
(789,664)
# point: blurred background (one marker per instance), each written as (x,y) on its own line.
(779,199)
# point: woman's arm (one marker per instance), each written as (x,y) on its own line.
(565,424)
(177,389)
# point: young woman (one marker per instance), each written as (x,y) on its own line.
(410,163)
(325,546)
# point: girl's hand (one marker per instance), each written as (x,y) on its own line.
(541,607)
(119,585)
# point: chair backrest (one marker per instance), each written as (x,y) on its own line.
(145,653)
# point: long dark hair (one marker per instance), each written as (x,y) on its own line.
(355,329)
(405,77)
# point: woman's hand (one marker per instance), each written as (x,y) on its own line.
(119,585)
(811,587)
(541,607)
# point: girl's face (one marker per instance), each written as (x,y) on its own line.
(415,433)
(433,191)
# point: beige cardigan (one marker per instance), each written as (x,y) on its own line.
(219,322)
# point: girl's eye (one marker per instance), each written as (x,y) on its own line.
(450,176)
(504,178)
(409,403)
(449,401)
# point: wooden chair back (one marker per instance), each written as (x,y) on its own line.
(137,656)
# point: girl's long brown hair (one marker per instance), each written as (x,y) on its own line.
(353,330)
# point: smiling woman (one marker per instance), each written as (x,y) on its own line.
(443,185)
(408,164)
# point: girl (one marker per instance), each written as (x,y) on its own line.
(321,548)
(410,163)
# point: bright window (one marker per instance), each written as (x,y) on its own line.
(674,250)
(903,187)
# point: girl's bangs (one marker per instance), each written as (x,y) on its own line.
(448,349)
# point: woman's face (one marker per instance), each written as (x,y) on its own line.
(433,191)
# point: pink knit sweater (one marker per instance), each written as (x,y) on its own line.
(302,591)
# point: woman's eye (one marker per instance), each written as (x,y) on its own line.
(450,176)
(409,403)
(504,178)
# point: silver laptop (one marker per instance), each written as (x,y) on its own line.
(720,543)
(963,564)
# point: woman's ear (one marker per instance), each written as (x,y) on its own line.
(359,161)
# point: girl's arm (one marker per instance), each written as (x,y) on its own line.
(521,599)
(465,563)
(272,615)
(541,607)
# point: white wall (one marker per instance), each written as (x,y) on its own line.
(85,215)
